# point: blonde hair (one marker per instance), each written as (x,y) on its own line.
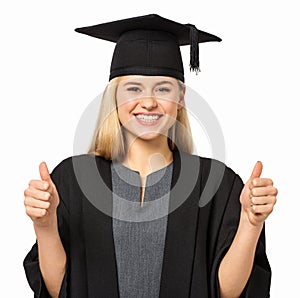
(109,138)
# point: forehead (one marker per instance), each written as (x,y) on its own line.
(147,79)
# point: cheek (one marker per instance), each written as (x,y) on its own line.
(171,109)
(124,109)
(170,103)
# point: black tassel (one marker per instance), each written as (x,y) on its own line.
(194,50)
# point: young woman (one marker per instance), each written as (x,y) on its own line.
(140,215)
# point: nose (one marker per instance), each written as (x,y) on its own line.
(148,102)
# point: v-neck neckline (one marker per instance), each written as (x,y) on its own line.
(142,179)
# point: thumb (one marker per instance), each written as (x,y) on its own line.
(257,170)
(44,172)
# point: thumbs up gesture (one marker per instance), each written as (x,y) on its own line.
(258,197)
(41,199)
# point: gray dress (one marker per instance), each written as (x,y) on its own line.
(139,231)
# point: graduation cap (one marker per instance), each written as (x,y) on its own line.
(150,45)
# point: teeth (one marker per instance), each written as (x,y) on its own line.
(147,118)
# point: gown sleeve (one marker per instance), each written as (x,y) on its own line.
(259,282)
(31,261)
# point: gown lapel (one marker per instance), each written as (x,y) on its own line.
(181,232)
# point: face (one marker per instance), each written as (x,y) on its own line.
(148,105)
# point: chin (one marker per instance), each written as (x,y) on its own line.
(149,136)
(145,135)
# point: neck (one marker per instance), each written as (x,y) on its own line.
(147,156)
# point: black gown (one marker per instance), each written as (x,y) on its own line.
(203,217)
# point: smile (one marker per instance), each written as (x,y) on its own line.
(148,119)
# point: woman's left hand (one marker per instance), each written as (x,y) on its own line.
(258,197)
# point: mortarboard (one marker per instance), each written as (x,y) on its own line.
(150,45)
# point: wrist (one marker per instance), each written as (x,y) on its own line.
(43,235)
(247,224)
(49,226)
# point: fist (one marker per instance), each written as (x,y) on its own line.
(258,197)
(41,199)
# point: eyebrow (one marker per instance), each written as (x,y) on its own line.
(164,82)
(132,83)
(140,84)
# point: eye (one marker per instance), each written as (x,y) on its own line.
(133,89)
(163,89)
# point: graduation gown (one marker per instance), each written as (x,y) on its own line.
(204,212)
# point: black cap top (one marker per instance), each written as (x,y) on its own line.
(149,45)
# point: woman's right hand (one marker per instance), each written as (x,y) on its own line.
(41,199)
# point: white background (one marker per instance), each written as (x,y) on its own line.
(49,74)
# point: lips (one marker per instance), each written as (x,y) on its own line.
(148,118)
